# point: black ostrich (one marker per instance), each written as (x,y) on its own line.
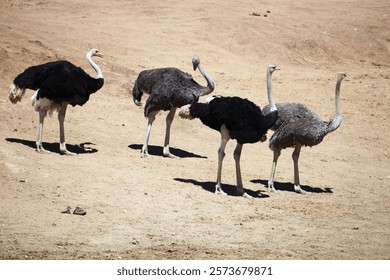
(235,118)
(57,84)
(168,89)
(298,126)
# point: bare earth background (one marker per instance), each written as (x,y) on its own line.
(164,208)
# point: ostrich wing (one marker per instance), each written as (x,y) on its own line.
(67,84)
(307,131)
(241,117)
(236,113)
(286,111)
(34,76)
(174,89)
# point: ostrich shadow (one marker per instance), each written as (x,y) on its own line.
(83,148)
(228,189)
(279,186)
(158,151)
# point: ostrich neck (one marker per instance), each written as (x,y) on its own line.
(337,96)
(95,67)
(210,82)
(336,121)
(271,101)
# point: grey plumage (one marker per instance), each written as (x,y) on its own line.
(168,89)
(298,126)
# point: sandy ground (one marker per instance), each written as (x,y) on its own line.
(161,208)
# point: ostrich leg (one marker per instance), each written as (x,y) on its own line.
(295,156)
(221,154)
(237,156)
(61,119)
(151,118)
(271,181)
(169,120)
(42,115)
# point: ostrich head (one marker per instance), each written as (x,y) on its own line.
(94,52)
(195,61)
(341,75)
(272,68)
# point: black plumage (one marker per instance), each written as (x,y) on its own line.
(235,118)
(59,81)
(298,126)
(56,85)
(168,89)
(243,119)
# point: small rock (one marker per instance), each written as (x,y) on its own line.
(68,210)
(79,211)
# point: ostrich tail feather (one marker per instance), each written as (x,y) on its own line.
(15,93)
(184,112)
(137,102)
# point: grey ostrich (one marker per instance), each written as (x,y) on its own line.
(298,126)
(168,89)
(235,118)
(56,85)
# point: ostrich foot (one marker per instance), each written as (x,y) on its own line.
(271,188)
(167,153)
(145,155)
(298,189)
(247,196)
(67,153)
(241,192)
(219,191)
(41,150)
(144,152)
(64,151)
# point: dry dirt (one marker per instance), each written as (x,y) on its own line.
(160,208)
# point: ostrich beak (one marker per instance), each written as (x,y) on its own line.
(99,55)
